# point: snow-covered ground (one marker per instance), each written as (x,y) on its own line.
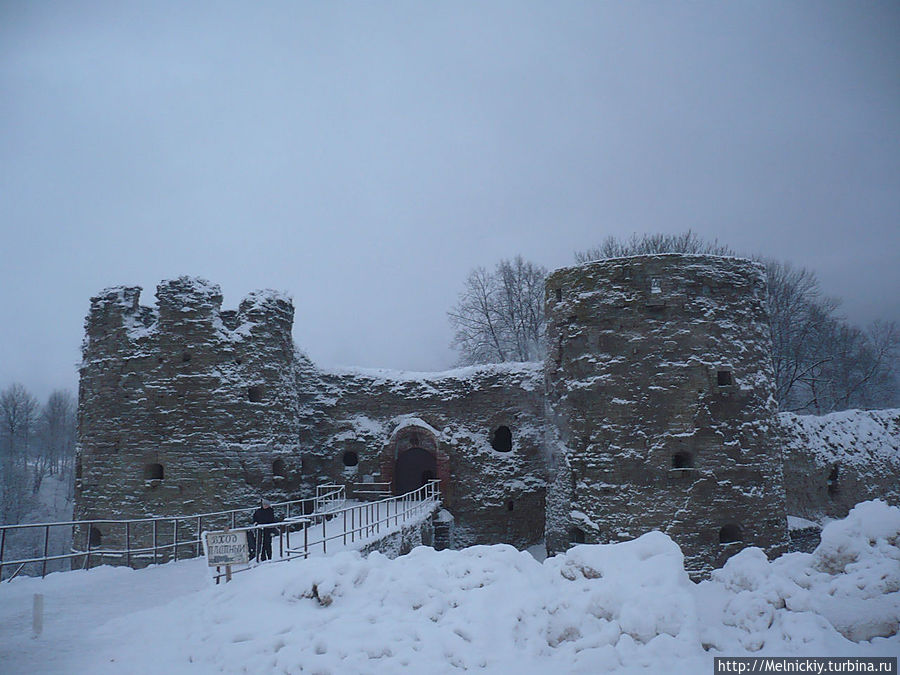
(624,607)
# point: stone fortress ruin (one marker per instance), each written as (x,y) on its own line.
(654,410)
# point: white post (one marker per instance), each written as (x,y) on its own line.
(37,618)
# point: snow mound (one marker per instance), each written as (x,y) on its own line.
(618,607)
(849,584)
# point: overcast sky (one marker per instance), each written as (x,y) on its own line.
(364,157)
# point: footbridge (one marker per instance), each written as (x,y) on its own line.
(320,525)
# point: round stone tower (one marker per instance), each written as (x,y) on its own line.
(660,391)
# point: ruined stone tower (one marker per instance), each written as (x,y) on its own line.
(180,402)
(659,394)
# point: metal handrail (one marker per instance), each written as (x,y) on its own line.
(325,501)
(365,523)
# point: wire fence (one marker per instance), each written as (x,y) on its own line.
(135,542)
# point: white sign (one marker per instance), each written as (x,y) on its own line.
(227,548)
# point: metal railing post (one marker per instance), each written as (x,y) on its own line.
(2,546)
(324,535)
(199,530)
(175,539)
(345,528)
(127,543)
(352,525)
(87,555)
(46,545)
(154,540)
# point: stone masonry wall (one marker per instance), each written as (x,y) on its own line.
(182,407)
(835,461)
(659,391)
(185,408)
(494,495)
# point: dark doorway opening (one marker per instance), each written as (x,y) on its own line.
(413,469)
(730,533)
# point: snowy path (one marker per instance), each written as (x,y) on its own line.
(77,602)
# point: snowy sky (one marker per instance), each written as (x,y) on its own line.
(365,156)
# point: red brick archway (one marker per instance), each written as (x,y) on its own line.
(410,449)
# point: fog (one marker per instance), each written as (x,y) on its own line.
(364,157)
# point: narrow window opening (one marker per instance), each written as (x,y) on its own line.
(832,481)
(96,536)
(558,294)
(724,379)
(682,460)
(279,468)
(730,533)
(153,472)
(186,357)
(510,505)
(577,535)
(78,469)
(350,458)
(502,440)
(654,286)
(255,394)
(238,362)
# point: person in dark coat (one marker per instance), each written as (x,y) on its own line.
(264,515)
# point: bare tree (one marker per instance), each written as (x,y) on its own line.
(58,432)
(500,315)
(18,416)
(647,244)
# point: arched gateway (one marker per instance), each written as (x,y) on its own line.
(413,469)
(414,459)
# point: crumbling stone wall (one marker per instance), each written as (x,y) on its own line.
(494,495)
(186,408)
(659,392)
(652,411)
(833,462)
(182,407)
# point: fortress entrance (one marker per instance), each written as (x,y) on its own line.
(413,468)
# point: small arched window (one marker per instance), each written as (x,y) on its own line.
(730,533)
(682,460)
(153,472)
(502,440)
(350,458)
(279,468)
(255,394)
(577,535)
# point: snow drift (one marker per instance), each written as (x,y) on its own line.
(621,607)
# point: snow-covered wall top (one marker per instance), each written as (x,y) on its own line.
(834,461)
